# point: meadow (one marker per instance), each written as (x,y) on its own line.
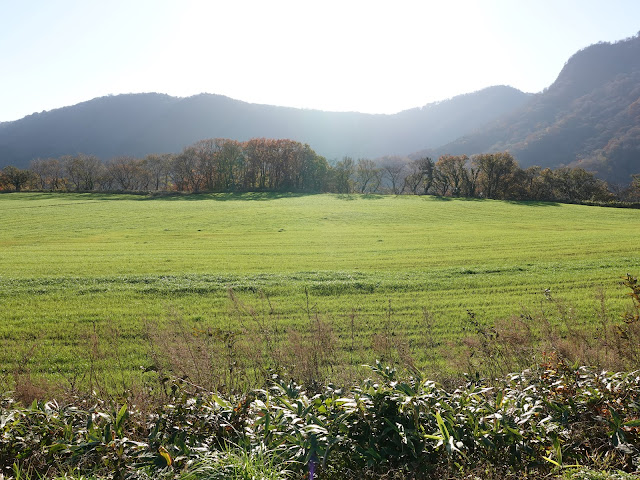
(99,282)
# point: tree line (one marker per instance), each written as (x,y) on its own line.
(213,165)
(260,164)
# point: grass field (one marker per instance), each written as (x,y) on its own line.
(73,264)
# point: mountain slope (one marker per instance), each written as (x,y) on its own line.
(590,116)
(138,124)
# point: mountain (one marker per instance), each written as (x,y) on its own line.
(589,117)
(139,124)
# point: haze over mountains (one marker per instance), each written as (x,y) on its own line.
(589,116)
(139,124)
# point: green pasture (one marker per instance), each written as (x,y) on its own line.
(72,264)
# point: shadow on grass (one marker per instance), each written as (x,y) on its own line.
(76,196)
(526,203)
(533,203)
(359,196)
(224,197)
(232,196)
(29,195)
(158,196)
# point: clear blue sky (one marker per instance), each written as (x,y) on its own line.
(369,56)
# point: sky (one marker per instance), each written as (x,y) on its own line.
(338,55)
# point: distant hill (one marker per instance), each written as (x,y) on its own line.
(139,124)
(590,116)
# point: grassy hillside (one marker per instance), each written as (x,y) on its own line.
(405,269)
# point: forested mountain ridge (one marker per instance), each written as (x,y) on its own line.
(589,117)
(139,124)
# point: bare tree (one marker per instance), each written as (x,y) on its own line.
(128,173)
(158,167)
(440,182)
(49,173)
(420,177)
(39,169)
(83,171)
(206,153)
(635,186)
(185,172)
(368,176)
(470,181)
(393,169)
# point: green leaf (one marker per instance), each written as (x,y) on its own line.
(617,421)
(56,447)
(442,426)
(120,419)
(221,402)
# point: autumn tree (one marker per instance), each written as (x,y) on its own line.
(494,173)
(185,171)
(16,178)
(288,160)
(470,181)
(576,184)
(260,163)
(455,174)
(219,163)
(257,171)
(203,154)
